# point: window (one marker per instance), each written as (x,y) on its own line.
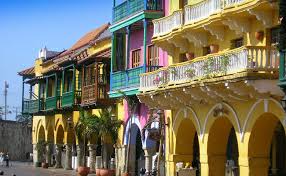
(236,43)
(89,74)
(51,87)
(274,36)
(153,55)
(136,58)
(206,50)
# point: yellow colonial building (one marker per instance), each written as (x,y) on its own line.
(221,87)
(60,83)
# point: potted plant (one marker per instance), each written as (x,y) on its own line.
(41,149)
(259,35)
(106,127)
(83,131)
(214,48)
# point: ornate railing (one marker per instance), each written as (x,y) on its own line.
(250,58)
(201,10)
(167,24)
(232,2)
(190,15)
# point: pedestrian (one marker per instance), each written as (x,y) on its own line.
(7,159)
(1,158)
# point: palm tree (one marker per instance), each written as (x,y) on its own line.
(84,130)
(106,127)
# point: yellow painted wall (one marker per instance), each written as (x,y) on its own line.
(248,114)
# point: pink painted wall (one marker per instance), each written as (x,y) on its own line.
(141,113)
(136,42)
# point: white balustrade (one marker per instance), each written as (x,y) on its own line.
(165,25)
(243,59)
(201,10)
(232,2)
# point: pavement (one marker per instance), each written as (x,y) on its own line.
(27,169)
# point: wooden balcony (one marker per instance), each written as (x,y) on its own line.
(70,98)
(131,11)
(127,81)
(94,94)
(238,62)
(31,106)
(51,103)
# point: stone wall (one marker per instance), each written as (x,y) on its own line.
(15,138)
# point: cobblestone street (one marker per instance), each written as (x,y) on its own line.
(27,169)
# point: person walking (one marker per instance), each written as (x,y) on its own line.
(1,158)
(7,159)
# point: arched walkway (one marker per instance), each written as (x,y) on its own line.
(186,147)
(50,145)
(59,145)
(136,152)
(41,134)
(221,147)
(266,146)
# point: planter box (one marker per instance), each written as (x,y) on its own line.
(187,172)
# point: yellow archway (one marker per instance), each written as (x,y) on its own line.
(41,134)
(60,135)
(216,142)
(259,144)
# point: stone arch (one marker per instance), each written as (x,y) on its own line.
(60,135)
(41,136)
(260,107)
(259,142)
(218,137)
(188,113)
(231,116)
(184,140)
(133,122)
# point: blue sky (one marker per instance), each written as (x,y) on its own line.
(28,25)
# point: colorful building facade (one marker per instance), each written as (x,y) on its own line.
(221,87)
(133,54)
(60,84)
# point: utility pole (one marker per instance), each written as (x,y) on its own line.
(6,86)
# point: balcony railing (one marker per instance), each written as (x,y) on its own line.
(51,103)
(201,10)
(70,98)
(31,106)
(191,14)
(167,24)
(92,93)
(129,79)
(250,58)
(131,7)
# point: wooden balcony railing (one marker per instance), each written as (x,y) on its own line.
(131,7)
(93,93)
(70,98)
(129,78)
(167,24)
(244,59)
(51,103)
(31,106)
